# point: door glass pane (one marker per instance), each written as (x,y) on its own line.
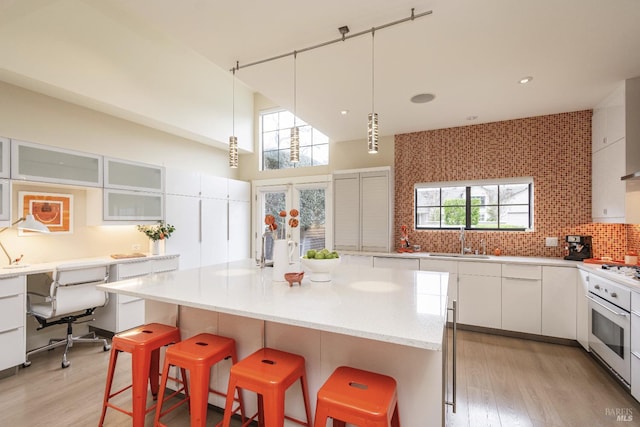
(608,332)
(312,219)
(273,203)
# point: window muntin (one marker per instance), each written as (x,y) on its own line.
(275,141)
(475,206)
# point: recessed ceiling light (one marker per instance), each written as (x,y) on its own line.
(525,80)
(422,98)
(472,117)
(344,112)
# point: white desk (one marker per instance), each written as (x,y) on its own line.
(13,286)
(384,320)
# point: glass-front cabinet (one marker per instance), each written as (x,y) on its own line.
(5,202)
(41,163)
(5,157)
(120,205)
(126,175)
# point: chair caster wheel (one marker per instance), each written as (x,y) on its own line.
(106,347)
(26,364)
(66,364)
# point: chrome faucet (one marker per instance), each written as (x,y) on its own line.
(483,245)
(462,248)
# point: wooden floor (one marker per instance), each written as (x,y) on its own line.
(501,382)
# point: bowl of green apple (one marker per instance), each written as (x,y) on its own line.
(319,264)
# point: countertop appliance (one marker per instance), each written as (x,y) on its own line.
(610,322)
(579,247)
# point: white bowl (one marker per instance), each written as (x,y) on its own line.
(319,270)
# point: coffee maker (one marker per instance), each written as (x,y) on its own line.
(579,247)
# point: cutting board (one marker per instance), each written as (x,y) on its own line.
(125,256)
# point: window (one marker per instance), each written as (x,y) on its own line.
(478,205)
(275,140)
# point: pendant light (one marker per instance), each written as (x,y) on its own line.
(372,128)
(295,132)
(233,141)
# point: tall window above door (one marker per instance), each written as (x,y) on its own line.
(275,141)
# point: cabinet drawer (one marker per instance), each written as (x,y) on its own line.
(11,286)
(472,268)
(133,269)
(13,348)
(399,263)
(517,271)
(130,314)
(164,264)
(438,265)
(12,310)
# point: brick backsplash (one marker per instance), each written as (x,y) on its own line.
(555,150)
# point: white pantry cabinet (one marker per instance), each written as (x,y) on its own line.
(559,301)
(522,298)
(42,163)
(5,157)
(363,210)
(480,294)
(12,332)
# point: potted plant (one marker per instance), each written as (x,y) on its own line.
(157,234)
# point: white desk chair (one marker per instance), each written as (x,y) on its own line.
(72,296)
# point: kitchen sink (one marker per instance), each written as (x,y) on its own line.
(452,255)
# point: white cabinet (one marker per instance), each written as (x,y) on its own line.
(363,210)
(350,259)
(635,345)
(608,191)
(213,216)
(559,301)
(5,157)
(521,298)
(125,312)
(125,175)
(582,309)
(121,205)
(5,202)
(445,266)
(41,163)
(12,332)
(608,122)
(399,263)
(480,294)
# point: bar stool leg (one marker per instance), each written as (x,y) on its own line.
(163,386)
(274,412)
(139,388)
(199,396)
(231,390)
(107,388)
(305,396)
(154,369)
(395,419)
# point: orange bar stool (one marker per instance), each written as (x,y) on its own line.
(144,343)
(358,397)
(197,355)
(268,373)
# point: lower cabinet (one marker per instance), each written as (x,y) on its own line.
(400,263)
(559,301)
(124,312)
(366,260)
(445,266)
(635,345)
(521,298)
(480,294)
(12,332)
(582,309)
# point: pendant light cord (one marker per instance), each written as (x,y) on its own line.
(295,55)
(373,67)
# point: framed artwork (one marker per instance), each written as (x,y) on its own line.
(53,210)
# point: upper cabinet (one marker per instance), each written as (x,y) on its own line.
(363,210)
(41,163)
(616,153)
(5,157)
(126,175)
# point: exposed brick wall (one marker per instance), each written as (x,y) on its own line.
(555,150)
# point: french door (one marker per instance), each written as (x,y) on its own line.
(313,202)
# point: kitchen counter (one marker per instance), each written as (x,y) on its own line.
(484,258)
(596,269)
(383,320)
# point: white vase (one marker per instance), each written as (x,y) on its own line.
(282,253)
(156,247)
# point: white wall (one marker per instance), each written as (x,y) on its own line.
(37,118)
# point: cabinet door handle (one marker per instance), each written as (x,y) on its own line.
(200,221)
(452,403)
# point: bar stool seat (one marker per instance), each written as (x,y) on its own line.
(197,355)
(144,343)
(358,397)
(268,373)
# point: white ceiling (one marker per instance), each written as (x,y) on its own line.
(469,53)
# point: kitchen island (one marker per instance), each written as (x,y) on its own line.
(384,320)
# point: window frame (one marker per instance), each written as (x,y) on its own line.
(467,185)
(286,150)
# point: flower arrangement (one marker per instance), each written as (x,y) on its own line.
(159,231)
(272,223)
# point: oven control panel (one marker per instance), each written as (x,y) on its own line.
(611,291)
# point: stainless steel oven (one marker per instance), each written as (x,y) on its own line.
(610,325)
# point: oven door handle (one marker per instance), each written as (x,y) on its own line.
(617,313)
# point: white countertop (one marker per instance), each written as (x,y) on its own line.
(401,307)
(44,267)
(559,262)
(596,269)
